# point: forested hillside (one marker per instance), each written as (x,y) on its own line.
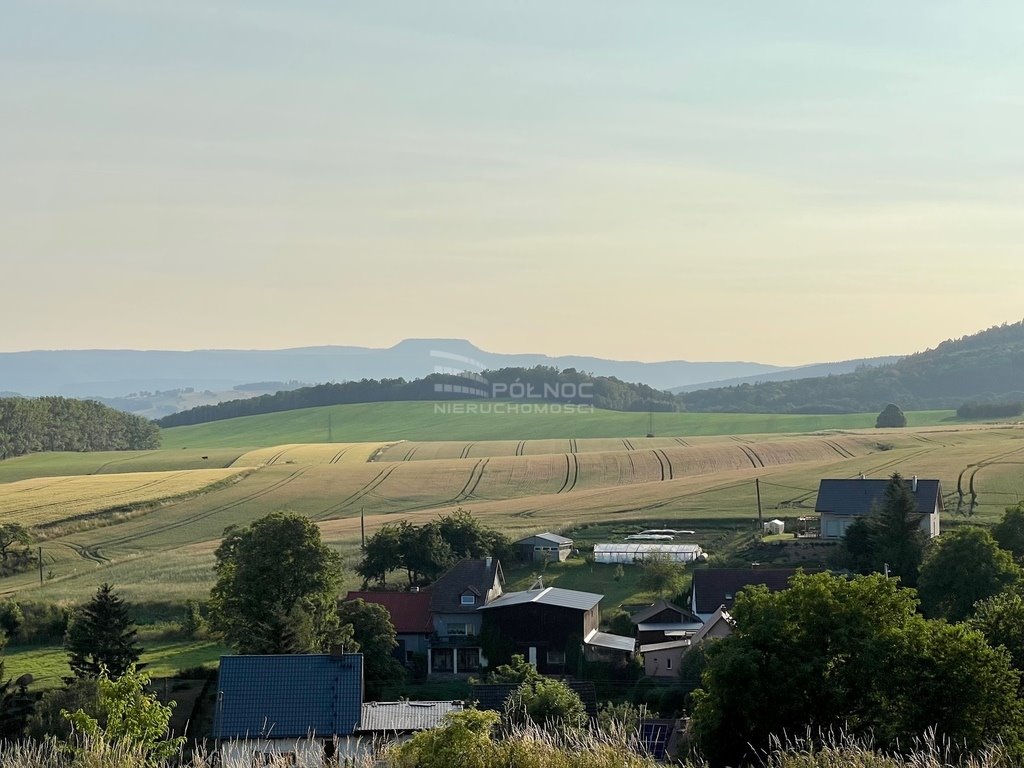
(28,425)
(988,366)
(537,384)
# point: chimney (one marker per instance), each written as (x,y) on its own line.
(337,651)
(913,484)
(861,475)
(487,562)
(414,589)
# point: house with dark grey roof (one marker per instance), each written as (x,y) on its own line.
(547,625)
(544,547)
(840,502)
(662,658)
(663,621)
(717,587)
(455,598)
(411,617)
(288,703)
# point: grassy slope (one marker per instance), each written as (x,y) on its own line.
(419,421)
(48,664)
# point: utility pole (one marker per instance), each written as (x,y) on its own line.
(40,566)
(760,518)
(362,530)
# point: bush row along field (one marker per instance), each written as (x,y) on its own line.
(389,422)
(48,500)
(166,554)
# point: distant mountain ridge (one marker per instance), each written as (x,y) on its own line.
(116,373)
(984,367)
(800,372)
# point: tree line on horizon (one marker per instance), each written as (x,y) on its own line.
(537,384)
(31,425)
(979,374)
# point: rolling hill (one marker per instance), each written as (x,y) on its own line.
(986,366)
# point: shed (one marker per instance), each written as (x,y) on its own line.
(775,526)
(544,547)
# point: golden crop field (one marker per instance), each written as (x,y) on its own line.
(46,500)
(313,453)
(705,484)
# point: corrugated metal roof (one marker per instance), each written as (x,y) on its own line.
(288,696)
(860,496)
(554,538)
(649,626)
(563,598)
(666,646)
(402,716)
(607,640)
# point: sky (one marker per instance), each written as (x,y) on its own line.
(785,182)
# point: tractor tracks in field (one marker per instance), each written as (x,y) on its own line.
(839,449)
(103,466)
(465,451)
(628,444)
(971,472)
(755,460)
(572,472)
(664,462)
(520,448)
(199,516)
(681,442)
(337,457)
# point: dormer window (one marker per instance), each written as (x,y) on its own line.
(469,599)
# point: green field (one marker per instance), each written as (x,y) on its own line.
(371,422)
(48,664)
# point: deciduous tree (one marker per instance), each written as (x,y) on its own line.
(891,416)
(267,574)
(855,652)
(1009,531)
(961,568)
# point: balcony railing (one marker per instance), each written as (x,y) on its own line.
(454,641)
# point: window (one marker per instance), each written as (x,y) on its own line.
(469,599)
(462,630)
(556,658)
(668,664)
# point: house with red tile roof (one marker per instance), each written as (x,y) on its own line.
(410,613)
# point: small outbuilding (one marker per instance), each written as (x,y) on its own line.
(544,547)
(775,526)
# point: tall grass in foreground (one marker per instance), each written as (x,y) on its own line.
(527,747)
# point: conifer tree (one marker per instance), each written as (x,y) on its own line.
(102,634)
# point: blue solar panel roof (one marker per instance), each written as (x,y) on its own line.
(289,696)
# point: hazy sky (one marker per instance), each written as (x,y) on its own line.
(785,182)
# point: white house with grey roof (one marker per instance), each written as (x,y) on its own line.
(544,547)
(842,501)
